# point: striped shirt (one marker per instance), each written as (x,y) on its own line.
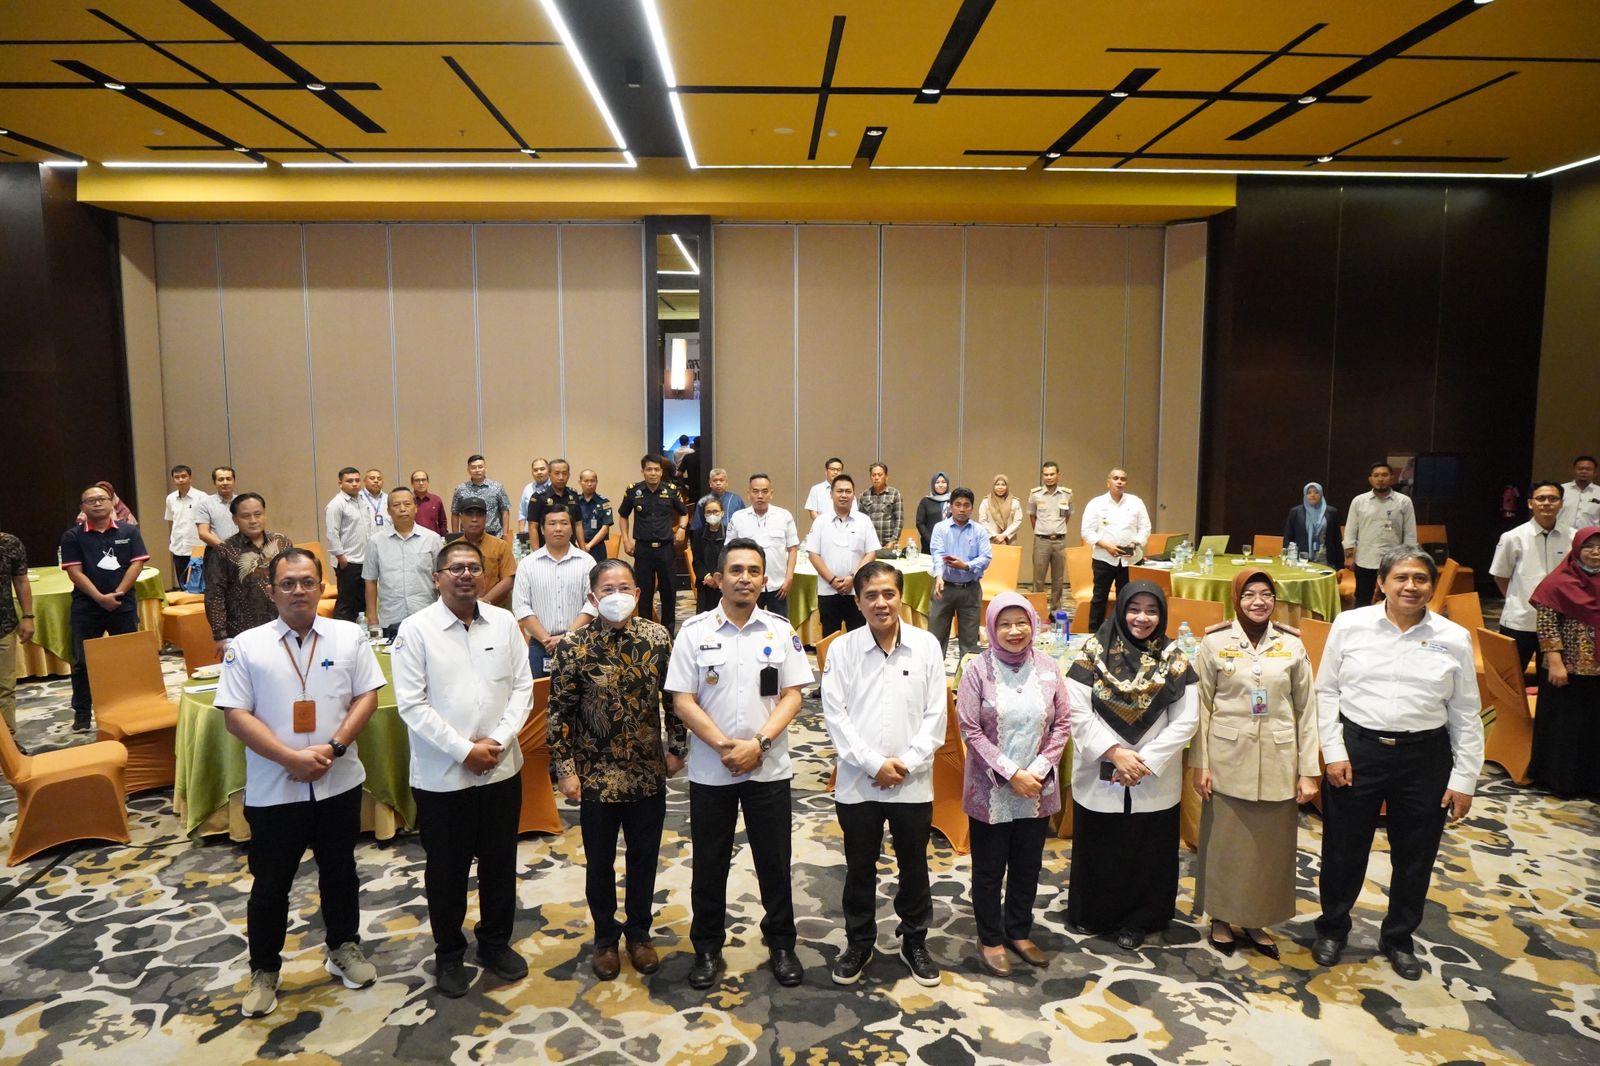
(550,589)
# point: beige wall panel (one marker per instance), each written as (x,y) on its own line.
(1083,419)
(269,403)
(141,332)
(435,353)
(753,366)
(1142,424)
(519,346)
(1568,420)
(602,308)
(921,355)
(1002,357)
(351,356)
(191,347)
(838,331)
(1182,348)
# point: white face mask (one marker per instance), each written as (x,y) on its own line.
(713,520)
(616,606)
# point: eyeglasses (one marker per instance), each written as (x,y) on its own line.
(459,569)
(306,584)
(1248,597)
(96,499)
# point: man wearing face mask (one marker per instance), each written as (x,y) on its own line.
(608,708)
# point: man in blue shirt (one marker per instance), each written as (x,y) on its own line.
(960,549)
(103,561)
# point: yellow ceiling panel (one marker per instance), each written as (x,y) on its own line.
(38,62)
(60,20)
(742,130)
(395,20)
(737,42)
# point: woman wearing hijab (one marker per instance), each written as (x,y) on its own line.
(1314,527)
(1566,731)
(1000,512)
(706,543)
(934,508)
(1013,712)
(1134,708)
(1254,760)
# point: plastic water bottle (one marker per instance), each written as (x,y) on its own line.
(1186,639)
(1210,562)
(1294,554)
(1062,625)
(911,549)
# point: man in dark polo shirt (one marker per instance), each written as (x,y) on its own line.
(103,560)
(648,537)
(557,496)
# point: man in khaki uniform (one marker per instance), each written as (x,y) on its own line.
(1049,512)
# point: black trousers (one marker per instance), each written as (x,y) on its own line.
(89,621)
(1411,779)
(352,599)
(640,821)
(1105,576)
(457,827)
(962,604)
(838,612)
(180,571)
(909,826)
(279,837)
(771,601)
(768,823)
(1366,585)
(1527,647)
(1012,852)
(657,571)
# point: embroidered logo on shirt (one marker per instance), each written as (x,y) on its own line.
(797,645)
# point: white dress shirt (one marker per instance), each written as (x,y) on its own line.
(841,542)
(349,524)
(403,569)
(1167,736)
(258,676)
(1580,508)
(775,531)
(1375,524)
(181,513)
(1524,557)
(721,664)
(377,510)
(878,706)
(820,500)
(550,589)
(456,684)
(1394,682)
(1123,522)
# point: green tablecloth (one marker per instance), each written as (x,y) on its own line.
(918,594)
(1315,590)
(210,760)
(52,605)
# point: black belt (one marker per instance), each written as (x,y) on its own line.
(1049,536)
(656,543)
(1389,739)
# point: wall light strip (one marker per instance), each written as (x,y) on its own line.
(523,164)
(1276,173)
(121,164)
(694,271)
(677,292)
(64,163)
(554,15)
(1566,166)
(694,268)
(888,166)
(774,166)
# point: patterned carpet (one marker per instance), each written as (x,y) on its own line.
(137,953)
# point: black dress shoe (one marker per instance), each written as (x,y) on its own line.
(1129,940)
(504,963)
(452,979)
(707,965)
(785,965)
(82,722)
(923,969)
(1405,964)
(1225,947)
(1326,950)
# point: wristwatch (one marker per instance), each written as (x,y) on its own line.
(765,743)
(338,748)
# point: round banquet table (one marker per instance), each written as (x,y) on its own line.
(49,654)
(914,604)
(208,787)
(1300,591)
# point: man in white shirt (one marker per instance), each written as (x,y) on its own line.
(883,702)
(1397,708)
(213,517)
(463,689)
(1117,525)
(298,691)
(838,543)
(1580,501)
(348,526)
(376,500)
(773,528)
(398,568)
(736,672)
(819,501)
(1377,520)
(182,538)
(551,590)
(1523,558)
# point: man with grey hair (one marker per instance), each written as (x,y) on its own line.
(731,501)
(1397,707)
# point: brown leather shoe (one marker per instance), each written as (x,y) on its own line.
(994,960)
(1030,952)
(643,957)
(606,964)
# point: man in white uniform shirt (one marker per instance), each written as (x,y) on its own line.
(883,702)
(298,691)
(462,685)
(839,542)
(1117,525)
(375,498)
(551,590)
(1580,500)
(1523,558)
(348,524)
(736,673)
(1377,520)
(819,500)
(398,568)
(1397,708)
(182,503)
(773,528)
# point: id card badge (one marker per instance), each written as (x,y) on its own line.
(1258,702)
(769,681)
(305,716)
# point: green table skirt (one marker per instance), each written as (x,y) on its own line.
(1316,591)
(52,605)
(803,591)
(210,760)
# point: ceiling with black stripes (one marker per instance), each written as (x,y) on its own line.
(1368,86)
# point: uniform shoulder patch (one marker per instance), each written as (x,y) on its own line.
(1220,626)
(797,645)
(228,656)
(1290,630)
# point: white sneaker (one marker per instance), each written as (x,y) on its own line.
(348,964)
(263,995)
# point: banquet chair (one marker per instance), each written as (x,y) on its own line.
(1156,543)
(539,813)
(1266,545)
(1040,602)
(186,628)
(1314,635)
(822,658)
(1510,742)
(614,545)
(69,794)
(949,780)
(1005,569)
(1443,586)
(1464,609)
(131,706)
(1198,613)
(1154,575)
(1216,543)
(1080,575)
(330,584)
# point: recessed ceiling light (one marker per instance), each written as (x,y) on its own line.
(528,151)
(1480,3)
(1119,95)
(782,130)
(237,148)
(930,91)
(117,86)
(1324,158)
(874,132)
(1052,155)
(5,133)
(1308,99)
(833,133)
(315,86)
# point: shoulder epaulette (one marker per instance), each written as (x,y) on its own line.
(1218,627)
(1291,630)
